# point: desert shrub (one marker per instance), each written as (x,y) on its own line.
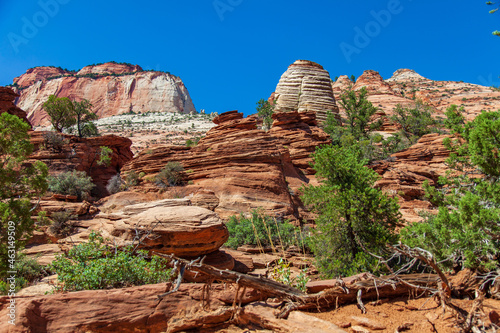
(61,225)
(261,230)
(96,265)
(170,175)
(54,141)
(115,184)
(414,121)
(105,154)
(28,270)
(72,183)
(132,178)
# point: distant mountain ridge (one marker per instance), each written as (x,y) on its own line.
(112,88)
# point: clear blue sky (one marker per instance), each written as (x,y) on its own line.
(231,53)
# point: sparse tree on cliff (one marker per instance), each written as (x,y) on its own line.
(19,182)
(60,111)
(65,113)
(265,110)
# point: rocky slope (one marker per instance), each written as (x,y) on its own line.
(111,88)
(406,85)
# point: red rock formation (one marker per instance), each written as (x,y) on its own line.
(242,166)
(36,74)
(404,173)
(111,88)
(7,98)
(82,154)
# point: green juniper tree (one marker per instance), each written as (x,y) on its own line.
(19,182)
(353,217)
(466,230)
(265,111)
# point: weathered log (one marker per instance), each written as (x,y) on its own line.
(371,288)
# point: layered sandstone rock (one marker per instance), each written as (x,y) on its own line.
(111,88)
(169,227)
(82,154)
(7,98)
(404,173)
(305,86)
(242,167)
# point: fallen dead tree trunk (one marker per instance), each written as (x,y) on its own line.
(293,299)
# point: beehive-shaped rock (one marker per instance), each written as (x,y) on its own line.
(305,86)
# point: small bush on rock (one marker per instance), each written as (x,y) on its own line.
(115,184)
(61,225)
(72,183)
(54,141)
(96,265)
(170,175)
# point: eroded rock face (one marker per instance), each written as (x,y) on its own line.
(244,167)
(114,89)
(82,154)
(7,98)
(404,173)
(305,86)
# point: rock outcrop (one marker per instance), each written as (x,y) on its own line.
(111,88)
(82,154)
(166,226)
(7,98)
(305,86)
(241,167)
(403,174)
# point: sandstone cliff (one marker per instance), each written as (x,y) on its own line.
(111,88)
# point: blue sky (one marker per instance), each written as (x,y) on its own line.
(231,53)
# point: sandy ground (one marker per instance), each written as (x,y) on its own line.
(419,315)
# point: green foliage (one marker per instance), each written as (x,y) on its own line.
(170,175)
(65,113)
(19,182)
(359,112)
(265,111)
(261,230)
(60,111)
(95,265)
(193,142)
(281,273)
(28,270)
(466,230)
(415,121)
(105,154)
(490,3)
(72,183)
(353,217)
